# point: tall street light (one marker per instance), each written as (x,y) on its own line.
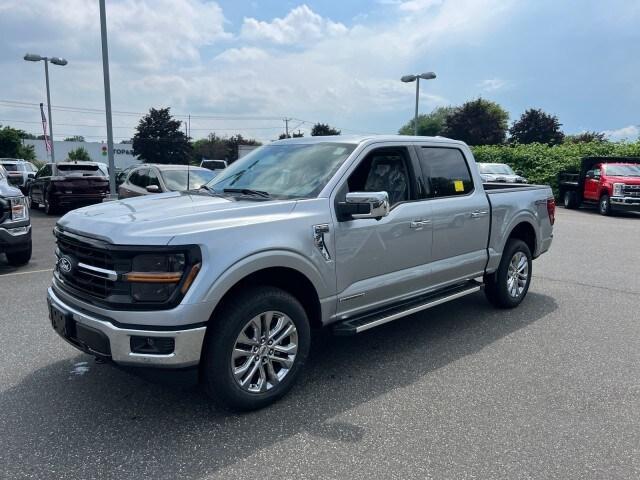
(107,100)
(416,78)
(31,57)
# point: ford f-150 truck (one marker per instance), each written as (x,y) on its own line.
(613,183)
(340,232)
(15,226)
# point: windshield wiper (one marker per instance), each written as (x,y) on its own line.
(247,191)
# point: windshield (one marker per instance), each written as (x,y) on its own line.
(496,168)
(177,179)
(623,170)
(285,171)
(79,170)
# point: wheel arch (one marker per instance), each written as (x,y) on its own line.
(526,232)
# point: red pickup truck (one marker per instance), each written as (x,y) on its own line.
(613,183)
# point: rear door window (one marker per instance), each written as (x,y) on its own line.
(445,172)
(78,170)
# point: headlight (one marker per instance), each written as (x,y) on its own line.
(618,189)
(19,210)
(155,277)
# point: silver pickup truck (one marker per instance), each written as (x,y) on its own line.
(340,232)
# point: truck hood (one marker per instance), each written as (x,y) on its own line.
(625,180)
(157,219)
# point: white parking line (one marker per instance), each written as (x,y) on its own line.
(24,273)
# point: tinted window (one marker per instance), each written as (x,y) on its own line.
(139,177)
(45,171)
(12,167)
(152,178)
(383,171)
(78,170)
(446,172)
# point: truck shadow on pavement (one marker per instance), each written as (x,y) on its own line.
(86,420)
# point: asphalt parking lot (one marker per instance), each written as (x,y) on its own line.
(549,390)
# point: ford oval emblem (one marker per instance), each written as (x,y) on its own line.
(65,265)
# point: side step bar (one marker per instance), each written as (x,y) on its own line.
(359,324)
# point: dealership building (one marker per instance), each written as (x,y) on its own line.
(122,152)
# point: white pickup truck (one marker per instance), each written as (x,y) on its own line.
(341,232)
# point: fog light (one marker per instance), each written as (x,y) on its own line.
(153,345)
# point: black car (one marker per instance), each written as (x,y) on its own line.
(71,185)
(15,225)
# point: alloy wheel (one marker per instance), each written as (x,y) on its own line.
(264,352)
(517,274)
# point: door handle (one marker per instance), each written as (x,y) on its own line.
(419,223)
(479,213)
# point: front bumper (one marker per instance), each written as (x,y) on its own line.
(625,203)
(15,236)
(188,341)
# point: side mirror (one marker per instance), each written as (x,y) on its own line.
(590,175)
(153,189)
(31,175)
(364,205)
(519,173)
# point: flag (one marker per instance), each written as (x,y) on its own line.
(47,140)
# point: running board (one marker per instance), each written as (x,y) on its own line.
(359,324)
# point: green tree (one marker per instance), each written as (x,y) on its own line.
(478,122)
(219,148)
(74,138)
(430,124)
(79,154)
(11,144)
(322,130)
(297,134)
(159,139)
(536,126)
(586,137)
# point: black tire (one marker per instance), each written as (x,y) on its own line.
(571,200)
(496,286)
(33,204)
(216,365)
(19,258)
(50,208)
(604,205)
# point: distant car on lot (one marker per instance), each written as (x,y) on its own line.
(499,172)
(613,183)
(214,165)
(75,184)
(15,226)
(152,178)
(19,172)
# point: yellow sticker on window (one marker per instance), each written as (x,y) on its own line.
(458,185)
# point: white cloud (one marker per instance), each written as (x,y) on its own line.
(492,84)
(418,5)
(161,55)
(631,133)
(300,26)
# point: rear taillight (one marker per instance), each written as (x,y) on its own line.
(551,210)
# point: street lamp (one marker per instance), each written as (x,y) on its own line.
(31,57)
(416,78)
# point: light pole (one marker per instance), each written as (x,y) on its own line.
(31,57)
(416,78)
(107,101)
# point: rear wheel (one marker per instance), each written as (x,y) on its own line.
(255,349)
(22,257)
(507,287)
(604,206)
(50,208)
(571,200)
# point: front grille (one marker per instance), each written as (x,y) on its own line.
(84,280)
(632,191)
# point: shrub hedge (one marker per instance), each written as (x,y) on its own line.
(541,163)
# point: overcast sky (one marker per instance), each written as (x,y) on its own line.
(241,66)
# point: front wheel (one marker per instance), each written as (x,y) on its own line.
(507,287)
(254,349)
(604,207)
